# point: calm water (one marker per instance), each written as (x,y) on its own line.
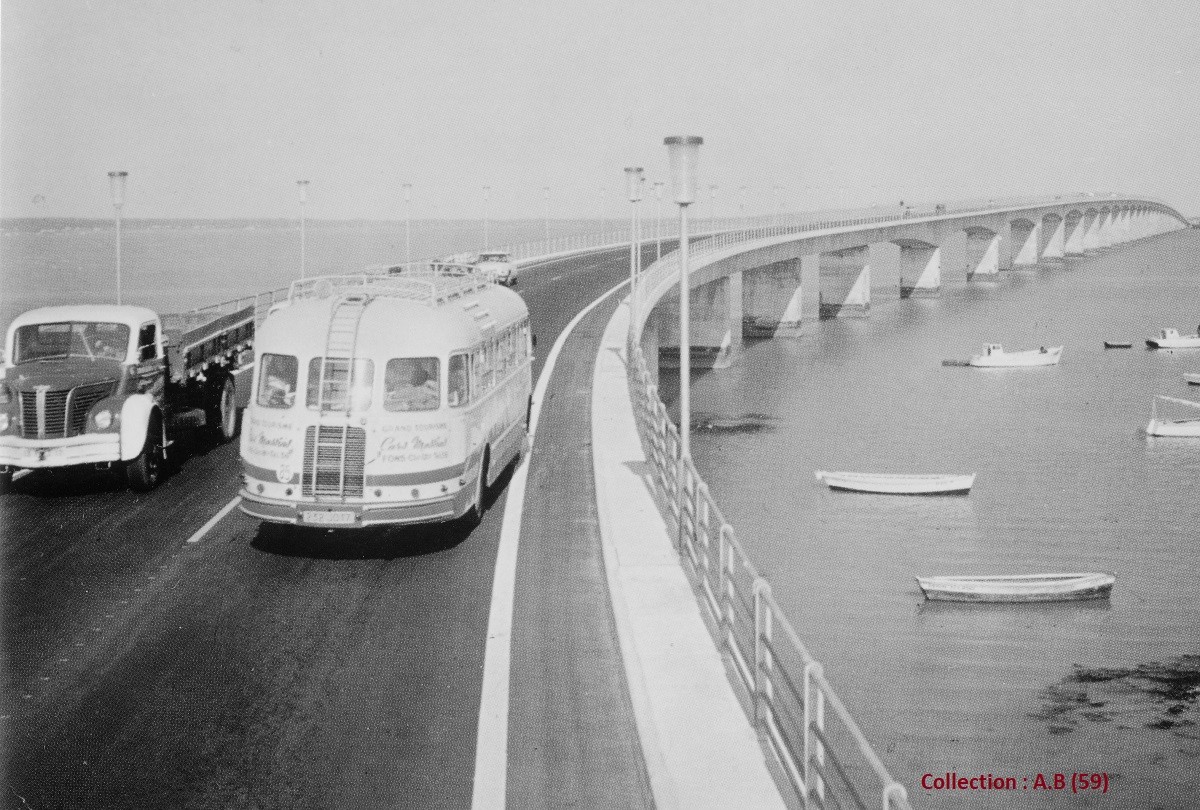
(172,266)
(1066,481)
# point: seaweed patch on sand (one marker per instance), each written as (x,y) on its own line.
(1158,695)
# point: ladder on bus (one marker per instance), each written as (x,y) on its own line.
(341,341)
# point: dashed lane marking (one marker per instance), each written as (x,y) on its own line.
(215,519)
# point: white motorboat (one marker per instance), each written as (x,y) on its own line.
(897,483)
(994,356)
(1017,587)
(1189,428)
(1171,339)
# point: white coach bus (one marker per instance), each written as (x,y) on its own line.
(385,400)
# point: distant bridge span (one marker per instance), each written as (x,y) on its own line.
(766,281)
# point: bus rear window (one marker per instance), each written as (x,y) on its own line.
(277,381)
(412,384)
(340,390)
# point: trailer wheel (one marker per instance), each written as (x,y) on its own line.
(221,417)
(5,482)
(145,471)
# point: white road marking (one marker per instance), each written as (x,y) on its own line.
(491,744)
(215,519)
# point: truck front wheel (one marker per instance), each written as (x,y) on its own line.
(145,471)
(222,416)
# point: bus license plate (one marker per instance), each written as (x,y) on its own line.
(329,518)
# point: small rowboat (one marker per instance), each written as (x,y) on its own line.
(1188,428)
(1171,339)
(994,356)
(1017,588)
(897,483)
(1191,379)
(1118,344)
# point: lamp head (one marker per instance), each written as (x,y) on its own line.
(684,151)
(116,184)
(633,182)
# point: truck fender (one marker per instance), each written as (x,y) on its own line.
(135,417)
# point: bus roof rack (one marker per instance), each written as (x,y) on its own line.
(431,288)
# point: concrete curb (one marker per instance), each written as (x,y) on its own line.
(699,746)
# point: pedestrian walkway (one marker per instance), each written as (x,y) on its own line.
(701,751)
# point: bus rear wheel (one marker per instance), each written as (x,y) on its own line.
(475,512)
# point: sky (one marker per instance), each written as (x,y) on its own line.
(217,107)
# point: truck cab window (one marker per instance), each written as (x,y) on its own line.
(277,381)
(147,343)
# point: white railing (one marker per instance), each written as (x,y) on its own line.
(823,753)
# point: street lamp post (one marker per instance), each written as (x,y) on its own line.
(778,192)
(487,192)
(743,191)
(684,152)
(303,186)
(658,190)
(116,185)
(407,225)
(712,208)
(546,197)
(633,183)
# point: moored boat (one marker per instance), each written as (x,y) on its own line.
(1171,339)
(1017,587)
(1191,379)
(1118,344)
(994,356)
(1187,428)
(898,483)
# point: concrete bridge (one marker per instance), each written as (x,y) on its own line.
(766,282)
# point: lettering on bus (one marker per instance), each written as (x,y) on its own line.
(270,438)
(405,444)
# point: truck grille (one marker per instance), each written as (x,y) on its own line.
(62,413)
(334,458)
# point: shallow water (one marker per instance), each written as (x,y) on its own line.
(1067,481)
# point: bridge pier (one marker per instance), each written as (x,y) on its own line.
(983,254)
(715,326)
(1056,236)
(921,265)
(773,299)
(1073,246)
(1026,240)
(845,283)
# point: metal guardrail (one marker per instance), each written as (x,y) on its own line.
(823,753)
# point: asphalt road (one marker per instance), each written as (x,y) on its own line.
(269,666)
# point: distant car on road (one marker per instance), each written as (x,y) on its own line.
(498,266)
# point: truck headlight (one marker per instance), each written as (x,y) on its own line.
(3,422)
(103,419)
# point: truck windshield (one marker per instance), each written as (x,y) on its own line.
(56,341)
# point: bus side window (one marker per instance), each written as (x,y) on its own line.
(459,392)
(277,381)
